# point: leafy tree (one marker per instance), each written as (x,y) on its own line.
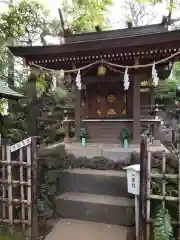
(138,13)
(172,4)
(24,23)
(168,91)
(165,92)
(85,15)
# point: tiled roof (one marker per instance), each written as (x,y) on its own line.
(7,92)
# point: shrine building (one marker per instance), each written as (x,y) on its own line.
(115,73)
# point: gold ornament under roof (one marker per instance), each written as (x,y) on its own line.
(124,112)
(124,98)
(98,100)
(111,112)
(144,83)
(98,112)
(111,98)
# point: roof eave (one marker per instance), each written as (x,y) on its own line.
(13,97)
(134,41)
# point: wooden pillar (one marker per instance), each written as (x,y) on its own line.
(151,92)
(86,103)
(136,108)
(33,108)
(35,178)
(77,114)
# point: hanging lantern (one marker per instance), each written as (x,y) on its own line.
(78,80)
(101,70)
(126,79)
(155,77)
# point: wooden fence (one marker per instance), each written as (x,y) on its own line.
(147,176)
(18,174)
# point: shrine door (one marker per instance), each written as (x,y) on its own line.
(106,100)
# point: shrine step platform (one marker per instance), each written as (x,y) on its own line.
(113,152)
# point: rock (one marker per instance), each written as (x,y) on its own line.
(70,158)
(110,165)
(46,213)
(52,189)
(50,177)
(134,158)
(52,163)
(87,163)
(80,162)
(54,150)
(157,155)
(99,163)
(156,162)
(172,161)
(119,166)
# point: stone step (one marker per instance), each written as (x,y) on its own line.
(105,130)
(69,229)
(104,134)
(96,208)
(104,139)
(103,182)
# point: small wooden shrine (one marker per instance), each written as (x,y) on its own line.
(115,73)
(8,93)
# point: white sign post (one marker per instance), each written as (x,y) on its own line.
(133,185)
(21,144)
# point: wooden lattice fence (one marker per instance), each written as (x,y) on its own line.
(147,195)
(18,174)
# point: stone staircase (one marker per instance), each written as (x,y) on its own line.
(95,198)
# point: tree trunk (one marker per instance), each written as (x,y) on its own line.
(10,67)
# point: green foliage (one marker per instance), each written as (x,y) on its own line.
(84,15)
(162,228)
(162,219)
(24,23)
(24,20)
(176,73)
(3,103)
(166,92)
(14,234)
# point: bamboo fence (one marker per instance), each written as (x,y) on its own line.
(16,180)
(146,195)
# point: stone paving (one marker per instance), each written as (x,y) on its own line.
(67,229)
